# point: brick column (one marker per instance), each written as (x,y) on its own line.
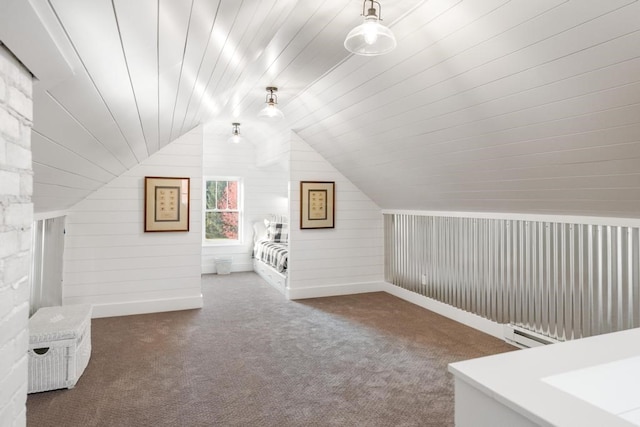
(16,217)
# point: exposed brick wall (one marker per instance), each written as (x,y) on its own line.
(16,216)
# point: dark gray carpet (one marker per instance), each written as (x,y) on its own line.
(252,358)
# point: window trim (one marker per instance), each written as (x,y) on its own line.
(240,210)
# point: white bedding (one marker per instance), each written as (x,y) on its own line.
(272,253)
(271,246)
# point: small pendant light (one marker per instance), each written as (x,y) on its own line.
(271,110)
(235,138)
(370,38)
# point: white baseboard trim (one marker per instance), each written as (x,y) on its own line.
(143,307)
(472,320)
(334,290)
(469,319)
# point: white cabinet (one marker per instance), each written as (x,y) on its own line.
(474,408)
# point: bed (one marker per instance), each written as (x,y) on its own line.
(271,251)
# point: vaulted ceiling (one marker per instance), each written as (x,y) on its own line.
(491,105)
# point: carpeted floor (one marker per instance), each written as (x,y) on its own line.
(252,358)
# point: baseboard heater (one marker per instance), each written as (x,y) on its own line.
(524,338)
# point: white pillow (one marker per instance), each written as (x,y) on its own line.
(259,231)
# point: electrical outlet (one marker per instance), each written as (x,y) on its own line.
(423,280)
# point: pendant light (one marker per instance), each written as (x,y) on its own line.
(271,110)
(235,138)
(371,38)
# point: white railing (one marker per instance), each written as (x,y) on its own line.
(561,280)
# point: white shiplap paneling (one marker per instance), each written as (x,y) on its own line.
(342,260)
(494,105)
(112,263)
(492,102)
(265,191)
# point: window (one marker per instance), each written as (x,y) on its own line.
(222,214)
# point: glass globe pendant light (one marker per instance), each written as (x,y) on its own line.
(235,138)
(371,38)
(271,110)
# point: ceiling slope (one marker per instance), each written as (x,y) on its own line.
(504,106)
(498,105)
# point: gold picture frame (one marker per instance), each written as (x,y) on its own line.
(317,204)
(166,204)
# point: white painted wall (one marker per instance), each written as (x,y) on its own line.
(16,215)
(346,259)
(265,192)
(112,263)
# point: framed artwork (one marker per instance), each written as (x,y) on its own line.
(317,204)
(166,204)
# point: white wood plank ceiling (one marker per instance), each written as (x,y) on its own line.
(490,105)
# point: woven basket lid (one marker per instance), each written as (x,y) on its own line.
(58,323)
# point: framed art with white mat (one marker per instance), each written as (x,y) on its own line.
(166,204)
(317,204)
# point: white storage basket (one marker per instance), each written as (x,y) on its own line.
(59,346)
(223,265)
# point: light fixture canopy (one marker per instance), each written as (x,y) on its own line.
(236,137)
(271,110)
(370,38)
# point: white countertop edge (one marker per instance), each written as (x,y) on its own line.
(551,406)
(498,397)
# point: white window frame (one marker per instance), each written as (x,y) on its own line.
(240,210)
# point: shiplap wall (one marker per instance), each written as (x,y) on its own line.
(16,214)
(343,260)
(111,262)
(265,192)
